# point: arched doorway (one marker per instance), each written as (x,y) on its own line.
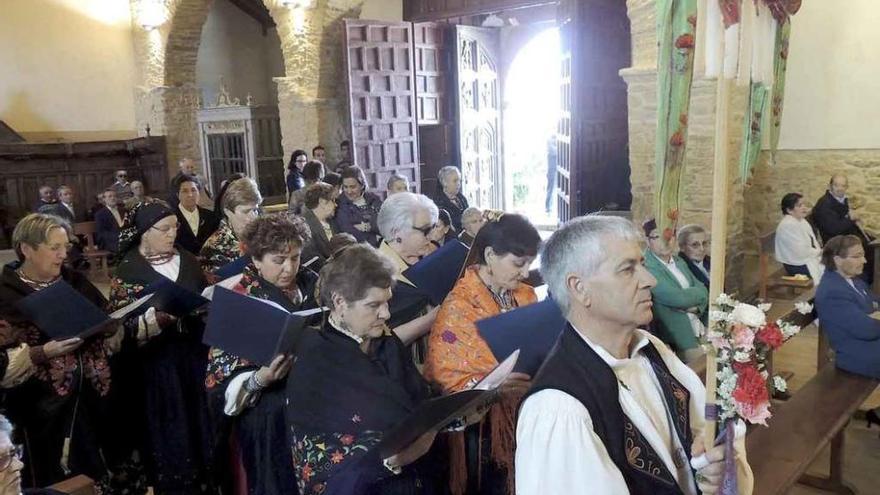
(531,115)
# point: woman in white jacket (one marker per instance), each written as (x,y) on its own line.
(797,247)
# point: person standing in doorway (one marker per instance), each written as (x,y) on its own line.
(552,158)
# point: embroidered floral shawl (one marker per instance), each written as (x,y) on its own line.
(222,248)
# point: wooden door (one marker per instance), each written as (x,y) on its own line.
(593,169)
(384,128)
(479,115)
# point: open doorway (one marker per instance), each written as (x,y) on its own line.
(531,116)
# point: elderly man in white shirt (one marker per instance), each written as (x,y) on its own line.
(613,410)
(796,245)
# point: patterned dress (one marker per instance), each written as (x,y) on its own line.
(222,248)
(164,394)
(457,359)
(65,397)
(260,431)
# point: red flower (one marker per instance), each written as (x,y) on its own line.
(685,41)
(683,119)
(677,139)
(306,473)
(672,214)
(692,20)
(771,335)
(751,388)
(667,234)
(347,439)
(336,457)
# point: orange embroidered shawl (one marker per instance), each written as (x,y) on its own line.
(457,356)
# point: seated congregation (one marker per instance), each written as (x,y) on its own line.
(146,403)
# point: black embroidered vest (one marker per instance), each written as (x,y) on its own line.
(574,368)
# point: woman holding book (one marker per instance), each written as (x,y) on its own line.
(252,396)
(240,200)
(481,460)
(405,221)
(351,383)
(164,359)
(57,391)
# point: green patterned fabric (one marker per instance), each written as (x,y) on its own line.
(780,62)
(753,128)
(676,26)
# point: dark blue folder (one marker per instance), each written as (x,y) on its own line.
(252,328)
(532,329)
(233,268)
(435,275)
(62,313)
(173,299)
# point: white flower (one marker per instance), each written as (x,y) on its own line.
(779,383)
(724,299)
(765,306)
(748,315)
(742,357)
(718,315)
(803,307)
(788,330)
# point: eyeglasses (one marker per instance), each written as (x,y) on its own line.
(698,244)
(653,237)
(16,452)
(425,230)
(166,230)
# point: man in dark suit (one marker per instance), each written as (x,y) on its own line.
(196,223)
(832,217)
(188,167)
(108,221)
(65,207)
(47,198)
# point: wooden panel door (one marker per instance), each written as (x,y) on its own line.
(567,197)
(593,132)
(432,68)
(479,115)
(384,129)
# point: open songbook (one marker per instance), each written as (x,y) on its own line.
(532,329)
(254,329)
(437,413)
(63,313)
(233,268)
(174,299)
(227,283)
(435,275)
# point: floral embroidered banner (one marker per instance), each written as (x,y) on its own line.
(676,29)
(780,63)
(753,128)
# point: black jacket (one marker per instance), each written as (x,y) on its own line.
(831,218)
(193,241)
(107,230)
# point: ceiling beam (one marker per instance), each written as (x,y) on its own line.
(256,10)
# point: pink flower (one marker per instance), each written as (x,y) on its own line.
(743,337)
(718,340)
(758,414)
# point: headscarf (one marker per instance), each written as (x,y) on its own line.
(138,220)
(649,226)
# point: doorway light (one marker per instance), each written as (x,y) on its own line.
(296,4)
(152,14)
(493,21)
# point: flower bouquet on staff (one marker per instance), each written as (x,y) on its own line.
(743,340)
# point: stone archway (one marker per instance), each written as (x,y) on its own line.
(309,102)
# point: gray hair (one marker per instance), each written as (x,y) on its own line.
(399,211)
(578,247)
(470,212)
(396,178)
(685,232)
(5,425)
(447,172)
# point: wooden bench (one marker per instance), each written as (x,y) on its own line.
(97,257)
(768,280)
(78,485)
(800,429)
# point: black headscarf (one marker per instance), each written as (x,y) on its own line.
(138,220)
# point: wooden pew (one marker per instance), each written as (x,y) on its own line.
(768,280)
(78,485)
(800,429)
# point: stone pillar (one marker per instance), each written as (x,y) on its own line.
(307,121)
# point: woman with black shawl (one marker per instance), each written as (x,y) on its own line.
(57,391)
(254,396)
(351,382)
(163,357)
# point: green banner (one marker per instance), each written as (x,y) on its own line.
(780,61)
(676,31)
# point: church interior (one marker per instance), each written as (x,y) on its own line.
(552,109)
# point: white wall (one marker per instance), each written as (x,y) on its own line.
(233,46)
(67,69)
(382,10)
(832,98)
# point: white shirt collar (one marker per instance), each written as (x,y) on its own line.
(639,341)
